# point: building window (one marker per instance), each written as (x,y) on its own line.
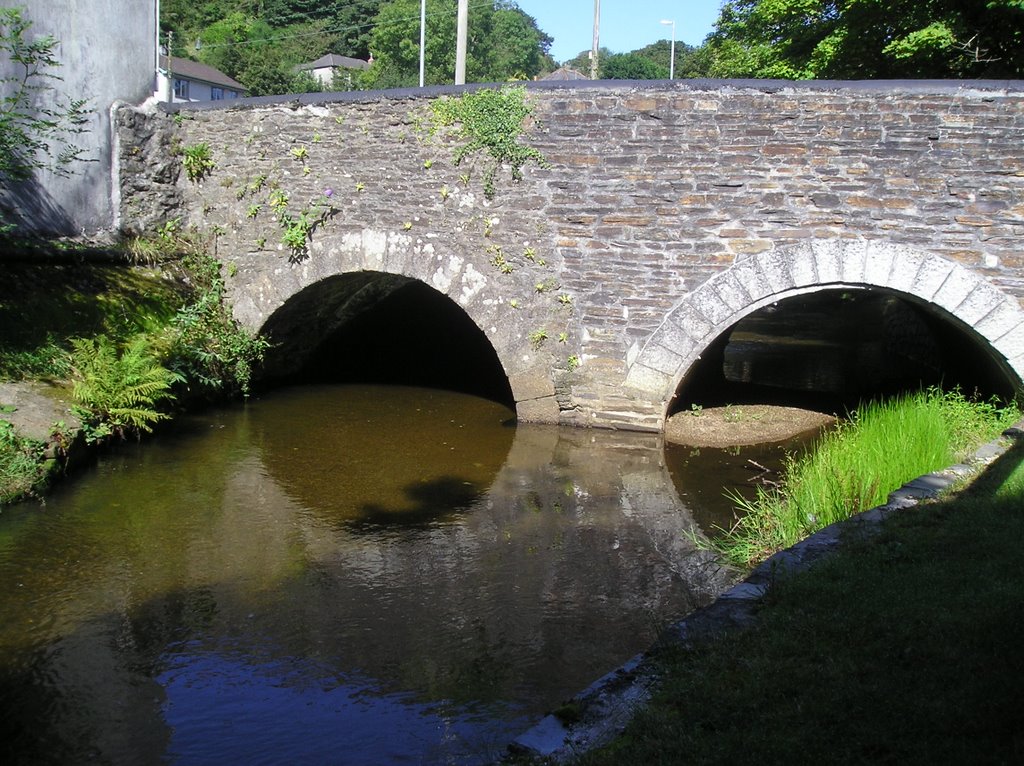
(181,89)
(230,94)
(216,94)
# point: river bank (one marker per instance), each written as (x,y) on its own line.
(908,605)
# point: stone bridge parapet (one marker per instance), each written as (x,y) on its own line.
(664,213)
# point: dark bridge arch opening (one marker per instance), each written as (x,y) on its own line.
(370,327)
(833,349)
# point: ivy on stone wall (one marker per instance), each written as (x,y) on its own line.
(489,121)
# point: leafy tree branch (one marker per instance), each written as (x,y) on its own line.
(37,128)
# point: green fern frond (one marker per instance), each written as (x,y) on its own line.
(119,390)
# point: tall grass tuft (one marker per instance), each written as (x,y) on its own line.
(855,466)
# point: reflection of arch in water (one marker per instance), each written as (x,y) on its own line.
(574,557)
(379,453)
(629,466)
(993,320)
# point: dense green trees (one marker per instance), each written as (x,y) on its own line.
(260,42)
(504,44)
(867,39)
(632,66)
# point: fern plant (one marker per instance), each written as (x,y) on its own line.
(117,392)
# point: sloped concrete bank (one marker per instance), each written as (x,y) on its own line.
(42,412)
(601,711)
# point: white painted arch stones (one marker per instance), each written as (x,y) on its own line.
(656,368)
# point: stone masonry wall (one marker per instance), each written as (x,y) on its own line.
(649,191)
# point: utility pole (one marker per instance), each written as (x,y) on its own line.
(423,41)
(593,50)
(460,42)
(170,68)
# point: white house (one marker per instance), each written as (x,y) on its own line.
(180,80)
(334,71)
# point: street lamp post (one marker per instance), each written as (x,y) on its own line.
(672,51)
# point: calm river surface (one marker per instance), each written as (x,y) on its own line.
(340,575)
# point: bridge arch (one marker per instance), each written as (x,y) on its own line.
(299,304)
(993,318)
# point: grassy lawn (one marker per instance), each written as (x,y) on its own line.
(904,647)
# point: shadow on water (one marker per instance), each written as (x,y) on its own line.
(438,498)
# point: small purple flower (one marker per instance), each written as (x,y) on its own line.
(328,192)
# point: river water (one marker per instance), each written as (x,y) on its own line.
(341,575)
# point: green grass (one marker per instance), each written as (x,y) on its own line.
(854,467)
(901,648)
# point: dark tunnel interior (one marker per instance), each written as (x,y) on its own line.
(833,349)
(409,334)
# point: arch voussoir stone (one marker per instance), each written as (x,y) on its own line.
(931,276)
(803,268)
(751,278)
(999,322)
(954,290)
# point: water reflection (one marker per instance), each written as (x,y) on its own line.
(373,574)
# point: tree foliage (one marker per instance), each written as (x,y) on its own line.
(503,44)
(37,126)
(261,42)
(690,61)
(632,66)
(869,39)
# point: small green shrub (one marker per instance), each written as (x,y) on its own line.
(209,348)
(197,161)
(21,466)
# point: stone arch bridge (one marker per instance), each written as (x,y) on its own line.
(663,214)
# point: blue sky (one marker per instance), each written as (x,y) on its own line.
(626,25)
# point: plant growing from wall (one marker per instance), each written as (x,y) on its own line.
(297,230)
(537,337)
(197,160)
(488,121)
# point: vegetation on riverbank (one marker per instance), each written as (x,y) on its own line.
(125,340)
(854,467)
(902,647)
(23,468)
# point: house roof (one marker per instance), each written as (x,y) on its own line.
(193,70)
(334,60)
(565,73)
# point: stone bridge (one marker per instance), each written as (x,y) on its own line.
(663,214)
